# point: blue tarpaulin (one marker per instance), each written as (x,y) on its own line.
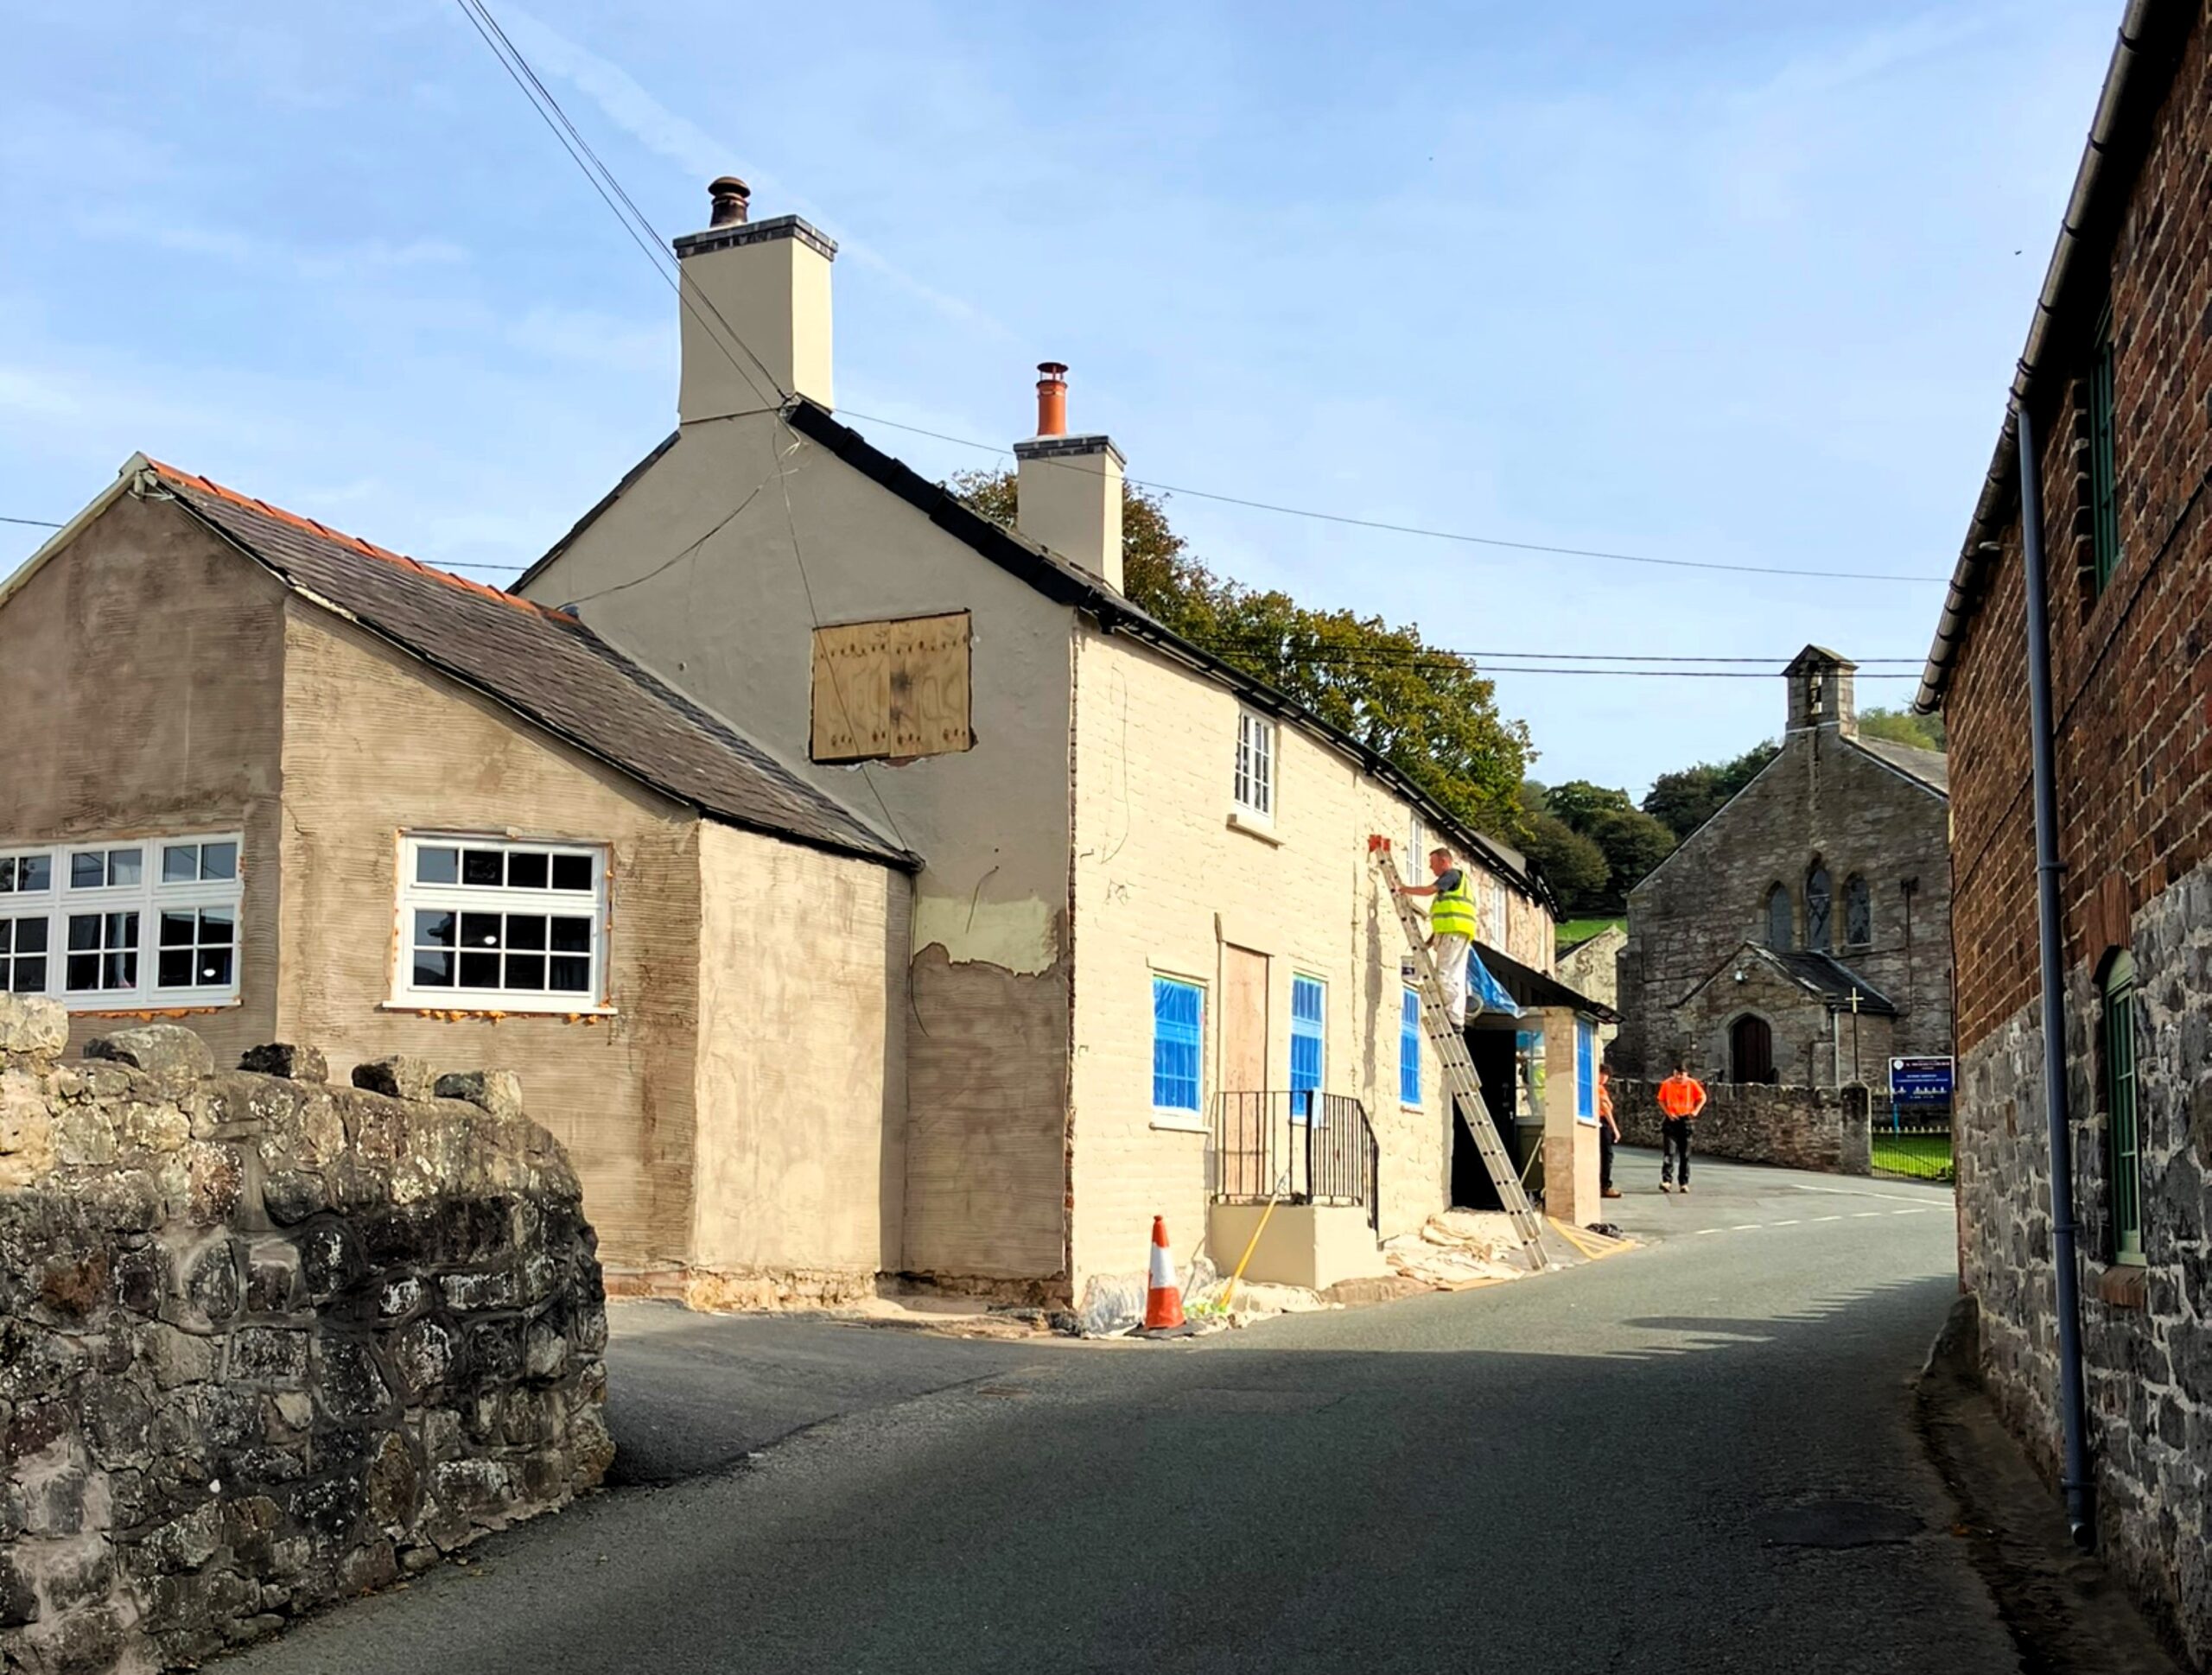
(1486,991)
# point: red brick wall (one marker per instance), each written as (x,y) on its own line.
(2131,670)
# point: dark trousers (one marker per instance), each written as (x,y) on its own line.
(1605,1156)
(1675,1142)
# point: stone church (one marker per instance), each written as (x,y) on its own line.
(1804,934)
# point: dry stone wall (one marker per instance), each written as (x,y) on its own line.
(1827,1129)
(265,1342)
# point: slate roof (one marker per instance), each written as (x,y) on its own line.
(1531,987)
(1931,768)
(1819,974)
(542,663)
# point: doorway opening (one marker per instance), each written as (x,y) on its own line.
(1751,1049)
(1497,1071)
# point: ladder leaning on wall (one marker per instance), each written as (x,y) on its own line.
(1458,1068)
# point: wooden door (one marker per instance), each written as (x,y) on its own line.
(1244,1073)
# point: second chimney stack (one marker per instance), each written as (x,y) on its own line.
(1068,492)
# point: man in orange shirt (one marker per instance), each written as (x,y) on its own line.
(1681,1096)
(1608,1134)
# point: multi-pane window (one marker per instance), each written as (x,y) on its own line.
(114,925)
(495,926)
(1858,912)
(1409,1047)
(1819,900)
(1179,1010)
(1309,1011)
(2125,1150)
(2104,480)
(1779,917)
(1585,1069)
(1256,764)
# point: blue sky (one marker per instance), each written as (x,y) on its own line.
(1721,280)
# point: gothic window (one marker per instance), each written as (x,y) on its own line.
(1858,912)
(1817,903)
(1779,917)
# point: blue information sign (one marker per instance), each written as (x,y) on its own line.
(1920,1080)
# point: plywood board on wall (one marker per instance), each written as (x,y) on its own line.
(896,688)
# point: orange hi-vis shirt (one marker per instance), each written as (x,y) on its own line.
(1605,1097)
(1680,1094)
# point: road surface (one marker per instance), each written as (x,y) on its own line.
(1697,1457)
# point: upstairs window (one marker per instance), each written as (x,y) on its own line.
(2104,481)
(118,926)
(1256,764)
(1858,912)
(492,926)
(2124,1147)
(1781,918)
(1818,902)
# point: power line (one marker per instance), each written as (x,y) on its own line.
(32,523)
(1428,534)
(1261,640)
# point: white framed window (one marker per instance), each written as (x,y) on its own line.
(110,924)
(1256,764)
(490,925)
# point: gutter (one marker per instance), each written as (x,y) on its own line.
(2124,82)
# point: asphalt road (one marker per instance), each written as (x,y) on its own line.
(1696,1456)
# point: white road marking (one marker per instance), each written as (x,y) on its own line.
(1791,1222)
(1827,1218)
(1747,1227)
(1866,1214)
(1707,1230)
(1859,1192)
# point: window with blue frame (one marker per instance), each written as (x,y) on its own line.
(1409,1048)
(1585,1070)
(1179,1010)
(1309,1006)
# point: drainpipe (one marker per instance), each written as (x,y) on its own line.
(2075,1480)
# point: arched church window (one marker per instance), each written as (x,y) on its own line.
(1818,902)
(1858,912)
(1779,917)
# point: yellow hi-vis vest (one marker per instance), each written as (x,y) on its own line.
(1452,912)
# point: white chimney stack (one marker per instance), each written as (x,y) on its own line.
(755,310)
(1068,495)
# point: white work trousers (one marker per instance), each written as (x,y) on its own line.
(1450,954)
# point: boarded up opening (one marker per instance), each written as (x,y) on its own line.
(893,689)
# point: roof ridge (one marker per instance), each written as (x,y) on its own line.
(177,475)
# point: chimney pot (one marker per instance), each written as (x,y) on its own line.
(731,198)
(1051,398)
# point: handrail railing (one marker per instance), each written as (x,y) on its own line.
(1305,1148)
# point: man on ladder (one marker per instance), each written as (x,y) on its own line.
(1451,928)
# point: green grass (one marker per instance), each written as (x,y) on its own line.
(1581,930)
(1923,1157)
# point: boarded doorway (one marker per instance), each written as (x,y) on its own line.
(1243,1070)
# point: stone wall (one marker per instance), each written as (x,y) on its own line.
(1820,1128)
(2146,1346)
(265,1343)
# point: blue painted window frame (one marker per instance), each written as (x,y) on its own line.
(1585,1070)
(1309,1052)
(1179,1022)
(1409,1048)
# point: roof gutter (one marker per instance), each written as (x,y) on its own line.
(1969,577)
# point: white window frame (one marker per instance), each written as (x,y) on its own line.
(1253,785)
(415,895)
(149,896)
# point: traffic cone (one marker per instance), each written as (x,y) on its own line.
(1163,1301)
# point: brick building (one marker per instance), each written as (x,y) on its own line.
(1802,934)
(2114,380)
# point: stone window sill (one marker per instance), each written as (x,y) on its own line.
(520,1009)
(1252,825)
(1179,1122)
(2124,1286)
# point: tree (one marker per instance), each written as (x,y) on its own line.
(1574,866)
(1902,726)
(1685,800)
(1632,841)
(1431,714)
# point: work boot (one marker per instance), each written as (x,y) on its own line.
(1610,1192)
(1666,1186)
(1684,1189)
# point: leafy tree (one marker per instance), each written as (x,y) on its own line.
(1431,714)
(1632,841)
(1575,866)
(1685,800)
(1902,726)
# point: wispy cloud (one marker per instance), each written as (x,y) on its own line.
(246,250)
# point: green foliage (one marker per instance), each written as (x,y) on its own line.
(1431,714)
(1902,726)
(1685,800)
(1594,843)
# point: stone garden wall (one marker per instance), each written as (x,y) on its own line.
(265,1342)
(1823,1128)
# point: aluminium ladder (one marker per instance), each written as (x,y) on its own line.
(1458,1068)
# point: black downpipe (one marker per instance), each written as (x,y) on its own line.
(2075,1480)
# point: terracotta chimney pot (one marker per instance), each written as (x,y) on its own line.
(1051,398)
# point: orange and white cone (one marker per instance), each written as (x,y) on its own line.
(1163,1301)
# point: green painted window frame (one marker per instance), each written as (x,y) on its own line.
(2104,475)
(2124,1133)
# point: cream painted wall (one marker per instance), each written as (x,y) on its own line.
(1163,882)
(618,1091)
(732,624)
(802,1059)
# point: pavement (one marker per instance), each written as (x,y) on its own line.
(1697,1456)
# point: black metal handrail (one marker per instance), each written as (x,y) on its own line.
(1304,1148)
